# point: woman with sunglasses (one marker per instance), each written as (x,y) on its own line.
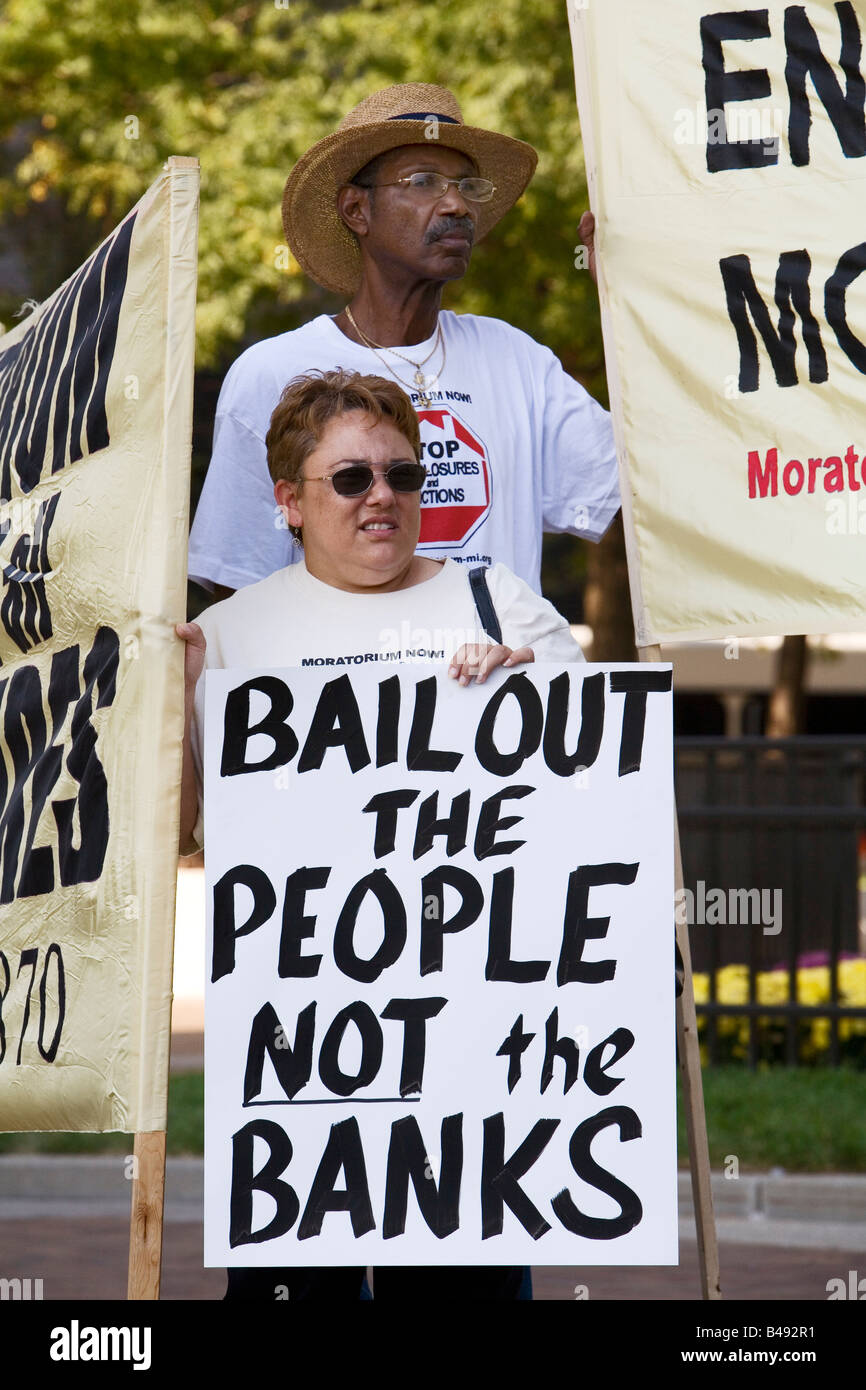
(344,454)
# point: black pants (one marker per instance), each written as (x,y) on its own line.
(404,1284)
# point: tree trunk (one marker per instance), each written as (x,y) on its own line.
(607,600)
(786,710)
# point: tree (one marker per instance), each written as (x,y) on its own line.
(95,103)
(786,709)
(99,92)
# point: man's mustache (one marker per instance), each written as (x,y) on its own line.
(446,225)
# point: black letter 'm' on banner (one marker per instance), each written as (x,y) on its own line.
(585,1166)
(722,87)
(407,1158)
(805,59)
(237,730)
(245,1182)
(743,297)
(54,378)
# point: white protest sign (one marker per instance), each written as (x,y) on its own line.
(440,1017)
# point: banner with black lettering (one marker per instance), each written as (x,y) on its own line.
(726,161)
(95,429)
(440,999)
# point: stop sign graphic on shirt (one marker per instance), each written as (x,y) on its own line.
(456,495)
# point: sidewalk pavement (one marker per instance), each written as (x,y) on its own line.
(806,1210)
(65,1220)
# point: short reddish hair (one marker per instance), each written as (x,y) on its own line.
(310,402)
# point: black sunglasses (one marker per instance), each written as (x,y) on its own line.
(358,478)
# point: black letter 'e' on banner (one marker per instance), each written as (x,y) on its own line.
(407,1158)
(245,1182)
(585,1166)
(292,964)
(237,731)
(595,1072)
(489,821)
(83,820)
(225,933)
(721,87)
(344,1153)
(578,927)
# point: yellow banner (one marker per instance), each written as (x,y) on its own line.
(95,430)
(726,154)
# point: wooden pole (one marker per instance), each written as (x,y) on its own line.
(148,1186)
(689,1056)
(145,1231)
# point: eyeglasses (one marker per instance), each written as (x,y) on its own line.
(430,185)
(359,478)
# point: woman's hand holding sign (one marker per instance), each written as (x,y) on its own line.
(472,659)
(196,647)
(194,654)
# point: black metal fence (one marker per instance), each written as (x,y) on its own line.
(773,835)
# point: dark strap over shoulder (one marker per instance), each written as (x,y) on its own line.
(484,603)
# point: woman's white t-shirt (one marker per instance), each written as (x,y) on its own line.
(293,619)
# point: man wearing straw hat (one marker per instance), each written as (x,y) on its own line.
(385,211)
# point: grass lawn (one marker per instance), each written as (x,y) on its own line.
(807,1121)
(812,1120)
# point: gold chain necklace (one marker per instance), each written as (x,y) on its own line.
(420,380)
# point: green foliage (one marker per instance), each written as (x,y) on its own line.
(247,88)
(803,1121)
(810,1121)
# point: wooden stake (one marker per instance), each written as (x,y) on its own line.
(689,1054)
(145,1231)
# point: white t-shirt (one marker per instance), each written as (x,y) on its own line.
(293,619)
(513,446)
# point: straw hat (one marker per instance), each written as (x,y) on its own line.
(406,114)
